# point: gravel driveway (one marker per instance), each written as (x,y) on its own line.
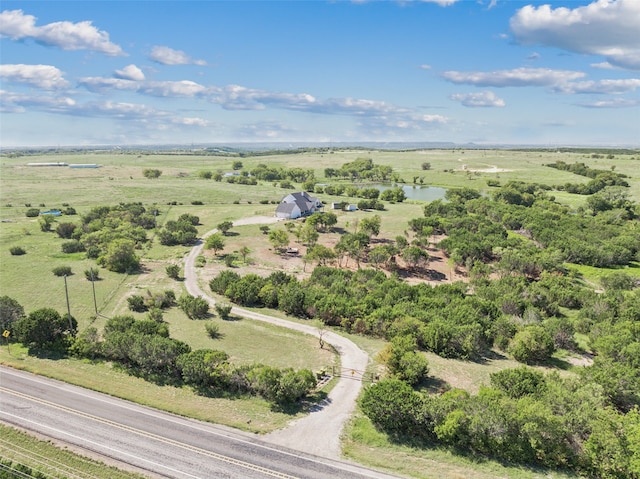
(318,433)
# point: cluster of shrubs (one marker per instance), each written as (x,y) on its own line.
(523,417)
(144,347)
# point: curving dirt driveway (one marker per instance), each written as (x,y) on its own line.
(318,433)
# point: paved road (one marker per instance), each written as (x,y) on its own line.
(318,433)
(158,443)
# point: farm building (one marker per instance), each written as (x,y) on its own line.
(48,164)
(295,205)
(84,165)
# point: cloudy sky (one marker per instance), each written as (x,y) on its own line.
(191,72)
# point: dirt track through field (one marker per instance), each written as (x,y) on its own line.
(318,433)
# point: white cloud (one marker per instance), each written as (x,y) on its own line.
(46,77)
(130,72)
(424,66)
(603,66)
(611,103)
(515,77)
(480,99)
(65,35)
(442,3)
(604,27)
(99,84)
(183,88)
(600,87)
(11,102)
(169,56)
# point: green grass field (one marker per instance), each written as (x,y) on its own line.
(29,279)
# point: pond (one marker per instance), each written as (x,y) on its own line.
(418,192)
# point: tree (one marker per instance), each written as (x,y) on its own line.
(44,327)
(393,406)
(244,252)
(225,227)
(120,256)
(415,256)
(215,242)
(370,226)
(173,271)
(279,239)
(10,312)
(309,235)
(65,230)
(426,165)
(532,345)
(204,367)
(403,361)
(194,307)
(45,222)
(236,165)
(320,254)
(223,310)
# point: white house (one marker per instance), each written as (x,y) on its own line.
(295,205)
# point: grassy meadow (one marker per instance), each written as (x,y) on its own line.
(29,278)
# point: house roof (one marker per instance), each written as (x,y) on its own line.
(303,200)
(285,208)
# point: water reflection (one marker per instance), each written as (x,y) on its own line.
(418,192)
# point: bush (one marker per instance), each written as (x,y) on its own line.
(194,308)
(151,173)
(533,344)
(137,303)
(73,246)
(92,274)
(223,310)
(173,271)
(65,230)
(17,251)
(197,203)
(32,213)
(213,330)
(62,271)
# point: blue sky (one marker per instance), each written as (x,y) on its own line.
(192,72)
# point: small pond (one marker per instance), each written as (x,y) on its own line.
(418,192)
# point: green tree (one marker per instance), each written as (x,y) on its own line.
(173,271)
(194,307)
(415,256)
(45,222)
(279,239)
(320,254)
(65,230)
(10,312)
(533,344)
(371,226)
(518,382)
(44,327)
(120,256)
(215,242)
(223,310)
(225,227)
(394,406)
(204,367)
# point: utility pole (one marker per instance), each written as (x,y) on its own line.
(66,292)
(93,287)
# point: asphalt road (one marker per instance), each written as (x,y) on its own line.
(161,444)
